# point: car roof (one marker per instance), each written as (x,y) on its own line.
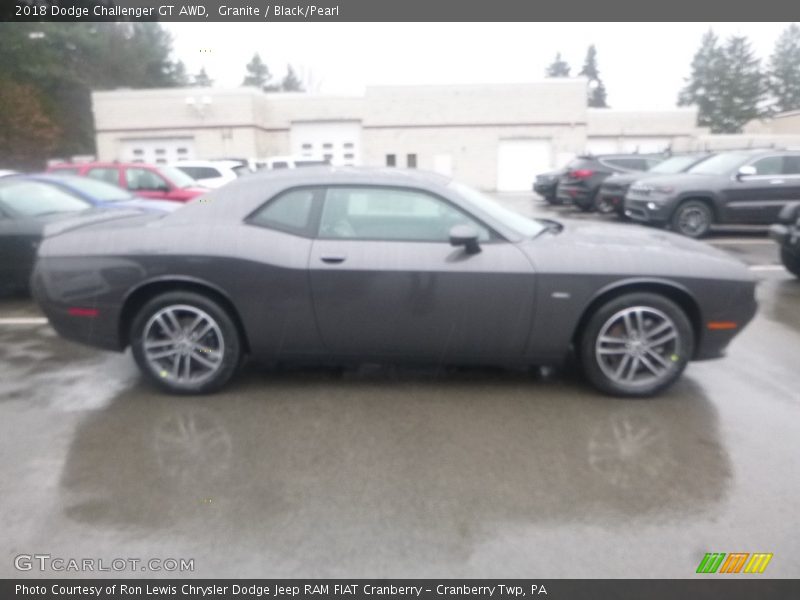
(207,163)
(244,195)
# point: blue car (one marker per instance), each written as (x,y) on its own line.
(101,194)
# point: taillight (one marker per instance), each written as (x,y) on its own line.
(581,173)
(76,311)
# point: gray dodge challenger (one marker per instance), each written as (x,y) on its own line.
(350,265)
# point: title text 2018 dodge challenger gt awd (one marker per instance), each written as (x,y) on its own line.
(347,265)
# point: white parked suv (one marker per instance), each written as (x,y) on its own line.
(212,173)
(291,162)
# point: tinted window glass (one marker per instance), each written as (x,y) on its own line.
(32,198)
(310,163)
(279,164)
(289,212)
(791,165)
(674,164)
(109,175)
(771,165)
(144,179)
(634,164)
(391,214)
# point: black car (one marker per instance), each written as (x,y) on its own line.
(583,176)
(787,234)
(611,197)
(26,206)
(748,187)
(386,265)
(546,184)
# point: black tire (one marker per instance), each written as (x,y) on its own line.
(602,206)
(222,342)
(791,260)
(587,206)
(675,353)
(693,219)
(552,200)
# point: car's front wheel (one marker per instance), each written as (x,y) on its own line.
(637,344)
(791,260)
(185,342)
(693,219)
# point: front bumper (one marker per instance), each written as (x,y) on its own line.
(646,211)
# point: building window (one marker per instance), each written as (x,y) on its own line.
(183,151)
(391,160)
(349,156)
(308,146)
(327,146)
(348,145)
(160,151)
(328,157)
(138,152)
(411,161)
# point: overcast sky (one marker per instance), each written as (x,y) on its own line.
(643,65)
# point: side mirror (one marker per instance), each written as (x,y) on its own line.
(465,235)
(746,171)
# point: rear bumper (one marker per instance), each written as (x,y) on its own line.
(575,195)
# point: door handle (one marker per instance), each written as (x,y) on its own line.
(333,260)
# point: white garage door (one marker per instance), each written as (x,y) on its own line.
(156,150)
(520,161)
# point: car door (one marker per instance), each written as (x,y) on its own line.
(146,183)
(386,282)
(758,198)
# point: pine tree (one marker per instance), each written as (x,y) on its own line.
(258,74)
(558,68)
(597,90)
(291,82)
(202,79)
(784,71)
(725,84)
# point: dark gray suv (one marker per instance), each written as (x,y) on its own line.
(739,187)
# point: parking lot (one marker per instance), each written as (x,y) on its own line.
(394,472)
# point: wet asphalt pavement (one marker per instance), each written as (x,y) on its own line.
(389,472)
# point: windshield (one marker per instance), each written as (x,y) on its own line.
(178,177)
(721,164)
(675,164)
(522,225)
(34,199)
(99,190)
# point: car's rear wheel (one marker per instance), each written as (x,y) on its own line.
(603,205)
(185,342)
(791,260)
(693,219)
(637,344)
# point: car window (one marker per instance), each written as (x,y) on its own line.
(721,164)
(279,164)
(290,212)
(391,214)
(200,172)
(144,179)
(109,175)
(310,163)
(791,165)
(770,165)
(32,199)
(674,164)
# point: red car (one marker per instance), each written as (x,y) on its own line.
(148,181)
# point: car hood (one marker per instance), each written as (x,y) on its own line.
(597,248)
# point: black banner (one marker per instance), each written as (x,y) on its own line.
(394,10)
(712,588)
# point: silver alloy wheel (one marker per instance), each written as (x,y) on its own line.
(693,220)
(638,346)
(183,344)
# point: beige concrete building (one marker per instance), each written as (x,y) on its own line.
(497,137)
